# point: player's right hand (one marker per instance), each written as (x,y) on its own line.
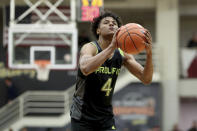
(114,43)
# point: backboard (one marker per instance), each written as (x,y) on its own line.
(53,45)
(42,30)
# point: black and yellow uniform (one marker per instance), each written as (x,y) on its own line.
(91,109)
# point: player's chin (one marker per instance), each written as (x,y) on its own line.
(111,33)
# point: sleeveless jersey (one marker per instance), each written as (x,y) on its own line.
(93,95)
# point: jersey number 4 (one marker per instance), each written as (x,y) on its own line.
(107,87)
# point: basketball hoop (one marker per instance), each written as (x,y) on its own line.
(42,69)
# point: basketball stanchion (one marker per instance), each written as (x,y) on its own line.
(42,69)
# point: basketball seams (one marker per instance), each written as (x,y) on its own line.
(125,49)
(127,31)
(138,35)
(131,39)
(133,28)
(132,33)
(122,33)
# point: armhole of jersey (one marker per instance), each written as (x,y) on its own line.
(121,52)
(95,46)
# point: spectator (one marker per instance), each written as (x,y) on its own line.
(194,126)
(176,128)
(11,89)
(193,42)
(24,129)
(192,70)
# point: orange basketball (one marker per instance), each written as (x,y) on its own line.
(131,38)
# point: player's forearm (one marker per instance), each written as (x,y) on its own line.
(90,64)
(148,70)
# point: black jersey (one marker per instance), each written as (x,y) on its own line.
(93,94)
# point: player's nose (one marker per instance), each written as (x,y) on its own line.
(111,24)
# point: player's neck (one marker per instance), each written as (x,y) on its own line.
(104,42)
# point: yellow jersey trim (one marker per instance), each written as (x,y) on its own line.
(121,52)
(95,46)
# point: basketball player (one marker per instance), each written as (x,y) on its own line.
(99,65)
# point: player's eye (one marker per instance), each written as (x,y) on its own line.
(115,23)
(106,22)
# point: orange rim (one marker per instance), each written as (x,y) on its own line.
(42,63)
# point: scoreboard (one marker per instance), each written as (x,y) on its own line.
(88,9)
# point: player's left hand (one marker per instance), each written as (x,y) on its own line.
(148,42)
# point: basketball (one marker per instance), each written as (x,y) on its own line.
(131,38)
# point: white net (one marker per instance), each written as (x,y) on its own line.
(43,71)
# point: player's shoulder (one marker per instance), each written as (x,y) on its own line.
(90,46)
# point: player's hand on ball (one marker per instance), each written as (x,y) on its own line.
(148,43)
(114,41)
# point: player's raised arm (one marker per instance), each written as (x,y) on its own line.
(89,59)
(144,74)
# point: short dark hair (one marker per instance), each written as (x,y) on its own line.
(96,21)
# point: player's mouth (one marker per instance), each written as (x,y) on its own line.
(111,28)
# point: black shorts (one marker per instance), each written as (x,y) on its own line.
(82,125)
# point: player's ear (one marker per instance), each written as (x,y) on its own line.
(98,31)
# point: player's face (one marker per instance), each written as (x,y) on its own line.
(107,26)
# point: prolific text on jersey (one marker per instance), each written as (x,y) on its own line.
(107,70)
